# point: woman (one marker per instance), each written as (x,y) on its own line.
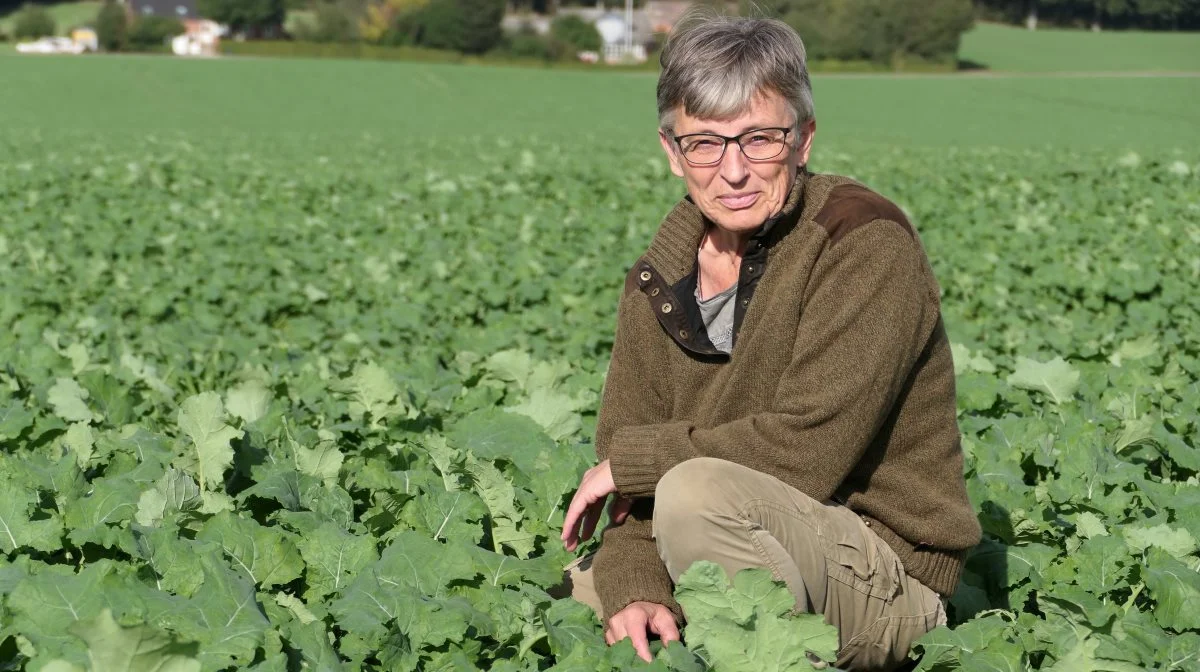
(781,392)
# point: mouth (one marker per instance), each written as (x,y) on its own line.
(739,201)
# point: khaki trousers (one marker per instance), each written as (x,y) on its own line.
(710,509)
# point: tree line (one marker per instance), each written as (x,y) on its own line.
(1097,14)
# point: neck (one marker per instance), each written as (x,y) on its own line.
(721,241)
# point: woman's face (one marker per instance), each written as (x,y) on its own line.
(739,194)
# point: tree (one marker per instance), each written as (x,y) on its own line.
(32,22)
(112,29)
(381,20)
(246,16)
(469,26)
(334,23)
(149,32)
(576,32)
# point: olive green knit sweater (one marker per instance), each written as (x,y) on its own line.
(840,383)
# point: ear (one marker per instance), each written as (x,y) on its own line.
(808,130)
(668,146)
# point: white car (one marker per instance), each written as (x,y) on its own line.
(51,45)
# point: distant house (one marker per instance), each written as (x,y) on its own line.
(180,10)
(201,36)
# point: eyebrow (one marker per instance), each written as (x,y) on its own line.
(747,127)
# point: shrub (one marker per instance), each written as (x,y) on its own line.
(469,26)
(333,23)
(148,32)
(883,31)
(577,33)
(32,22)
(112,29)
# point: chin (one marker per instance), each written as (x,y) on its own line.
(741,221)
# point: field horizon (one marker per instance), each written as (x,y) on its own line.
(340,98)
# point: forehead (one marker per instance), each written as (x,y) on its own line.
(766,109)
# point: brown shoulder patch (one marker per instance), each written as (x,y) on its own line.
(850,206)
(637,276)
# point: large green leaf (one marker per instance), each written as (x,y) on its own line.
(202,418)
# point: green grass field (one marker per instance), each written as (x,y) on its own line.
(1014,49)
(399,100)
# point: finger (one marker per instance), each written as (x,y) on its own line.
(579,503)
(620,510)
(641,643)
(570,534)
(591,519)
(616,631)
(608,637)
(663,625)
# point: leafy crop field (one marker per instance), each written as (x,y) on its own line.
(301,398)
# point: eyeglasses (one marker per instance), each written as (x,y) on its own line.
(706,149)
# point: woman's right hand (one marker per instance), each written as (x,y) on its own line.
(635,621)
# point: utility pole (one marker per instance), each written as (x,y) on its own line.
(628,28)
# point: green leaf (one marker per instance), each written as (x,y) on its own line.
(552,409)
(1176,589)
(202,418)
(175,492)
(746,625)
(248,401)
(1089,525)
(498,495)
(332,558)
(267,555)
(81,442)
(323,461)
(14,419)
(1055,378)
(116,648)
(19,528)
(175,560)
(1177,542)
(69,401)
(223,616)
(571,625)
(493,434)
(373,392)
(447,515)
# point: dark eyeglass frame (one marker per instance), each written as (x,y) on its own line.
(726,139)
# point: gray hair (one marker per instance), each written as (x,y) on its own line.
(715,65)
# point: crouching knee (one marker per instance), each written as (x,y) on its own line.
(692,506)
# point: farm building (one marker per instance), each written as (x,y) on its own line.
(201,37)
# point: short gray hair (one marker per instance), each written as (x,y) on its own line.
(713,66)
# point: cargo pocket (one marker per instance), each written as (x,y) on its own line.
(860,560)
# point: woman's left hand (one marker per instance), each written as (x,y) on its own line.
(588,505)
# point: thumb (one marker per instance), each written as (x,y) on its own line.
(619,509)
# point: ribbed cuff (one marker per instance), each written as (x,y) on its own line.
(634,458)
(637,587)
(939,569)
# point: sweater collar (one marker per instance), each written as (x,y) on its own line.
(673,250)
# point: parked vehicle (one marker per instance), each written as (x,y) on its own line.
(51,45)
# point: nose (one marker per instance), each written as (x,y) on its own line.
(733,164)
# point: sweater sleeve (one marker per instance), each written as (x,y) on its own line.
(867,313)
(627,567)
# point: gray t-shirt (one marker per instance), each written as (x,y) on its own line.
(717,312)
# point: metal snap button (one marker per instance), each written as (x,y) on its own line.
(655,292)
(645,276)
(683,334)
(666,308)
(750,269)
